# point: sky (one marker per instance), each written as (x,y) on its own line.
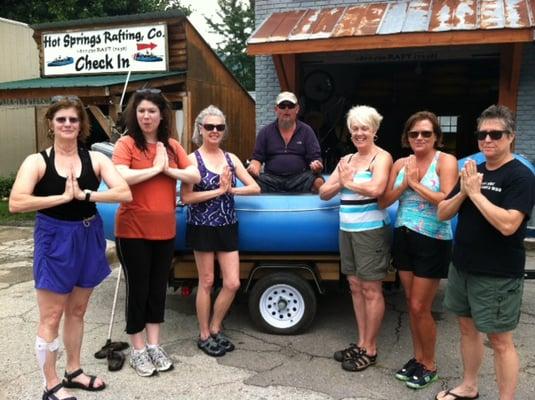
(203,8)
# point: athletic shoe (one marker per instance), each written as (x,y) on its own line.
(405,372)
(159,358)
(421,377)
(141,362)
(351,352)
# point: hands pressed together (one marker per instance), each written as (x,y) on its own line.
(72,189)
(471,180)
(225,180)
(161,161)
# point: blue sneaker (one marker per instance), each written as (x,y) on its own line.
(405,372)
(421,377)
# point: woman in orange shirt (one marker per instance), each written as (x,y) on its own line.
(145,229)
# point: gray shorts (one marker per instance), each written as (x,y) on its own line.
(366,254)
(492,302)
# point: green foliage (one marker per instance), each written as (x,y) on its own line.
(5,185)
(6,218)
(237,24)
(39,11)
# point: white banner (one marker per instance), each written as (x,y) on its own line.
(104,51)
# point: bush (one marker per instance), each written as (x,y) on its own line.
(6,183)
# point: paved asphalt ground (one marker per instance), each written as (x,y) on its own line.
(262,366)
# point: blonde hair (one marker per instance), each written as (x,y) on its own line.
(364,115)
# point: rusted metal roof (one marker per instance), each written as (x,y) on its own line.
(387,18)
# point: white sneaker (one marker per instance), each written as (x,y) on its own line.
(142,363)
(159,358)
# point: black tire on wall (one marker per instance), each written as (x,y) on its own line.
(282,303)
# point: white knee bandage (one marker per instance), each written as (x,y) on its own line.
(42,347)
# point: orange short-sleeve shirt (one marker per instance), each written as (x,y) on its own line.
(151,213)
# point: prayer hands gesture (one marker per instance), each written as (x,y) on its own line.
(225,180)
(72,190)
(345,172)
(412,174)
(471,180)
(161,161)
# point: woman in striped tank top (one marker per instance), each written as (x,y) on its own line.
(364,232)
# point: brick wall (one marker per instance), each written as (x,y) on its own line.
(525,144)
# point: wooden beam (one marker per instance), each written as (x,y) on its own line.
(102,120)
(397,41)
(510,63)
(286,68)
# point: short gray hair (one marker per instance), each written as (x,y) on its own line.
(211,110)
(364,115)
(498,112)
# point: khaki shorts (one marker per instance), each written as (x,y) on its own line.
(366,254)
(492,302)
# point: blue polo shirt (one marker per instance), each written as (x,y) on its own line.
(286,159)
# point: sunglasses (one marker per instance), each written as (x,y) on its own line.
(494,135)
(57,99)
(286,106)
(211,127)
(415,134)
(72,120)
(149,90)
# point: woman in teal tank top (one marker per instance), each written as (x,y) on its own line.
(422,243)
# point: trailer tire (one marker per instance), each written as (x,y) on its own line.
(282,303)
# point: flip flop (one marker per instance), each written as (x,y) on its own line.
(458,396)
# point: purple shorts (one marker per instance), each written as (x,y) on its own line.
(69,254)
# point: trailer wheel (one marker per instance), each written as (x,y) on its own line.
(282,303)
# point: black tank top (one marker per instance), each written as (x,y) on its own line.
(53,184)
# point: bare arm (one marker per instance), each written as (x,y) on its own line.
(254,168)
(447,172)
(118,191)
(22,199)
(448,208)
(251,187)
(380,173)
(190,174)
(391,194)
(332,187)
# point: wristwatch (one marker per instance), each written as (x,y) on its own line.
(88,194)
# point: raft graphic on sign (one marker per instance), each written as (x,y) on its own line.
(60,61)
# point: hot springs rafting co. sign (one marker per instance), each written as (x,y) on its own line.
(132,48)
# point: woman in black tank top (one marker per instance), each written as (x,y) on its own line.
(61,183)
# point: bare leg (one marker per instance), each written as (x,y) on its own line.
(506,363)
(73,331)
(138,340)
(424,327)
(153,333)
(472,352)
(230,269)
(406,278)
(358,307)
(375,309)
(51,307)
(205,269)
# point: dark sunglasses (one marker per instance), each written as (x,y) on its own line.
(149,90)
(494,135)
(415,134)
(211,127)
(286,105)
(57,99)
(62,120)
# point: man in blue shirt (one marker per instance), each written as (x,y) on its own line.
(289,150)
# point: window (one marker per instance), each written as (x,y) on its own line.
(448,123)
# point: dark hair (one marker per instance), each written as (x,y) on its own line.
(132,125)
(421,116)
(64,102)
(498,112)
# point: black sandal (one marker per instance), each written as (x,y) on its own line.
(211,347)
(69,383)
(351,352)
(48,394)
(223,341)
(359,363)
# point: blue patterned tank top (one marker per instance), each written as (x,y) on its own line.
(418,214)
(358,212)
(218,211)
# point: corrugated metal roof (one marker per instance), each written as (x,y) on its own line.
(385,18)
(83,81)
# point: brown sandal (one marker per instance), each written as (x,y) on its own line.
(360,362)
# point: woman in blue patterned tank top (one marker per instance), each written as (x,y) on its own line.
(422,243)
(212,226)
(365,232)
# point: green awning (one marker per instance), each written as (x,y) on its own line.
(83,81)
